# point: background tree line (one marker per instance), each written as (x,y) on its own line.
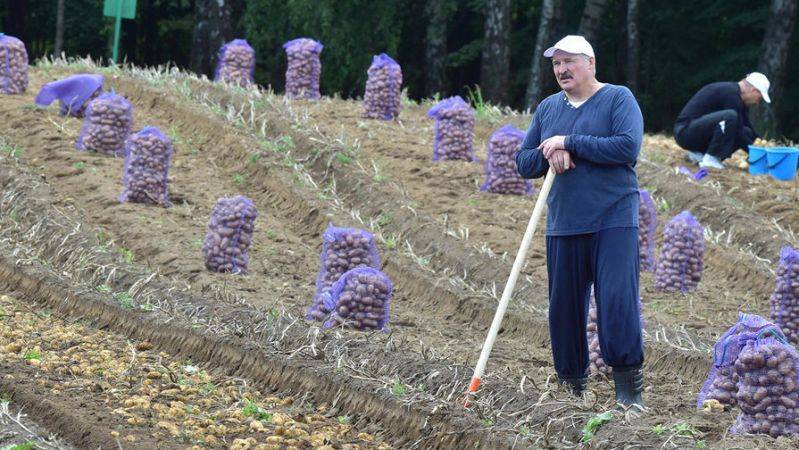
(664,51)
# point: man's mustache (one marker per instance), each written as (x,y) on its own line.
(565,76)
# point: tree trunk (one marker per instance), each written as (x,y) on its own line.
(438,13)
(59,29)
(591,18)
(633,45)
(539,66)
(773,61)
(211,28)
(495,64)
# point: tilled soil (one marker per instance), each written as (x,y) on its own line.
(430,312)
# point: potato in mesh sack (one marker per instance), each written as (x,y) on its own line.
(107,124)
(382,98)
(501,174)
(647,229)
(360,299)
(454,130)
(236,64)
(596,364)
(148,155)
(13,65)
(73,93)
(784,302)
(304,68)
(229,235)
(681,260)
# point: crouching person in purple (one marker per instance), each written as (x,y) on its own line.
(590,134)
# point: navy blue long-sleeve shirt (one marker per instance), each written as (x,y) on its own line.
(604,138)
(716,97)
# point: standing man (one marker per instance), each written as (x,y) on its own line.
(590,134)
(715,122)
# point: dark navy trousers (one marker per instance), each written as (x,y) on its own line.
(608,259)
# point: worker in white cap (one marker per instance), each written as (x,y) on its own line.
(590,133)
(715,122)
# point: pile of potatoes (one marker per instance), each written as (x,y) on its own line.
(360,299)
(344,249)
(382,98)
(501,174)
(229,235)
(148,155)
(13,65)
(681,260)
(108,124)
(236,63)
(768,389)
(454,133)
(304,68)
(647,228)
(785,299)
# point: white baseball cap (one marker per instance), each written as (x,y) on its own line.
(761,83)
(571,44)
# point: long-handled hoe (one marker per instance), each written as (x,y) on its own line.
(514,274)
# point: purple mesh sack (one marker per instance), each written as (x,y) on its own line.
(343,249)
(784,302)
(73,93)
(107,125)
(722,382)
(681,259)
(454,130)
(148,155)
(13,65)
(647,227)
(501,174)
(304,68)
(596,364)
(236,63)
(360,299)
(381,100)
(229,235)
(768,388)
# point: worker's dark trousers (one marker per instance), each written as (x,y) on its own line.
(712,133)
(609,260)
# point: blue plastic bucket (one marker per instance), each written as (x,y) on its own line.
(782,162)
(757,160)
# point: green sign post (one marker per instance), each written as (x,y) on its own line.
(119,9)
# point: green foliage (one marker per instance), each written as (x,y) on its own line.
(27,445)
(594,423)
(343,419)
(252,410)
(32,354)
(124,299)
(398,388)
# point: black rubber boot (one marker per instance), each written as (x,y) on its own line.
(575,385)
(629,386)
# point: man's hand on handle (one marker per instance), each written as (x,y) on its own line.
(554,150)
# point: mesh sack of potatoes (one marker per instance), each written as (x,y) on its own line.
(343,249)
(768,388)
(681,260)
(454,130)
(647,228)
(304,68)
(784,303)
(73,93)
(236,63)
(107,124)
(721,383)
(148,155)
(381,100)
(13,65)
(596,364)
(360,299)
(229,235)
(501,173)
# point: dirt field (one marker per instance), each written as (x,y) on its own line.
(137,271)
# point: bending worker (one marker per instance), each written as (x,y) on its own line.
(590,134)
(715,122)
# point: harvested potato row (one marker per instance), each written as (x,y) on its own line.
(784,302)
(768,388)
(596,364)
(454,131)
(721,384)
(108,123)
(681,260)
(344,249)
(382,98)
(304,68)
(360,299)
(229,235)
(236,63)
(647,229)
(13,65)
(148,155)
(501,174)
